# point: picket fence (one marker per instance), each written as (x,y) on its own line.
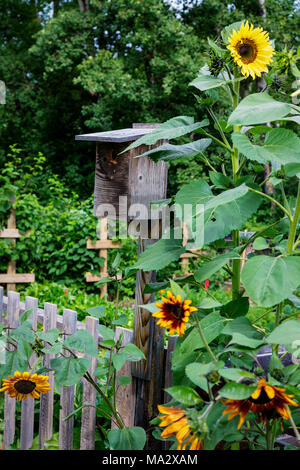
(10,310)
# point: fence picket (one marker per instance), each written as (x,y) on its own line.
(1,303)
(12,321)
(67,393)
(46,401)
(125,394)
(88,416)
(27,407)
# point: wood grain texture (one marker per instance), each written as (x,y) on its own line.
(100,244)
(10,233)
(149,393)
(46,400)
(67,393)
(117,136)
(88,416)
(111,178)
(27,406)
(168,379)
(147,182)
(1,303)
(13,308)
(95,278)
(125,394)
(15,278)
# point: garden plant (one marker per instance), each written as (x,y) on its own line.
(222,396)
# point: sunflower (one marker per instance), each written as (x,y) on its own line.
(174,313)
(177,423)
(24,385)
(251,50)
(264,401)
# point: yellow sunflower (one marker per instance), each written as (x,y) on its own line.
(264,401)
(251,50)
(24,385)
(177,423)
(173,313)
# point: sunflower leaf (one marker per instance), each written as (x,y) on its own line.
(257,109)
(237,391)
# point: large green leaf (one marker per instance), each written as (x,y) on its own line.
(68,370)
(196,371)
(257,109)
(168,152)
(237,391)
(211,325)
(160,254)
(275,147)
(286,333)
(243,333)
(171,129)
(186,395)
(270,280)
(127,438)
(210,268)
(206,81)
(13,362)
(82,341)
(231,216)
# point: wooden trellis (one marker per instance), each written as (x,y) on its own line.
(11,278)
(103,245)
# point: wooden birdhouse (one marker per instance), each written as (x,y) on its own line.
(121,174)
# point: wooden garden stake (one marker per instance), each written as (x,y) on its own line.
(121,182)
(11,277)
(104,245)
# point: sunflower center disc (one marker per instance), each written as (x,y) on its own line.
(24,386)
(246,51)
(263,398)
(177,312)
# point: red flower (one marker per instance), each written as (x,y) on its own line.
(66,291)
(206,284)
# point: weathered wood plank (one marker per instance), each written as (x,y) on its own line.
(11,268)
(96,277)
(88,416)
(67,393)
(10,233)
(172,340)
(125,394)
(27,406)
(116,136)
(10,403)
(1,303)
(100,244)
(46,400)
(16,278)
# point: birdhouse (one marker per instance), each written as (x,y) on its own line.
(123,181)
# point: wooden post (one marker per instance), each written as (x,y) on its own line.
(104,245)
(67,393)
(46,400)
(88,416)
(121,182)
(27,406)
(13,309)
(11,277)
(125,394)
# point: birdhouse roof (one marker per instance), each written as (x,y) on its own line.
(120,135)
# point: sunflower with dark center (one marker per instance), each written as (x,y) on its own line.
(267,401)
(251,50)
(178,423)
(24,385)
(174,313)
